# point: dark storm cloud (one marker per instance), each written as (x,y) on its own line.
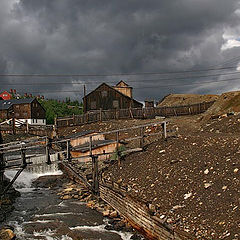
(76,36)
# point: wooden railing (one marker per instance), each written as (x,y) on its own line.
(132,113)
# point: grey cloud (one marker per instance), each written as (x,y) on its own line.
(77,36)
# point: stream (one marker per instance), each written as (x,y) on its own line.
(40,214)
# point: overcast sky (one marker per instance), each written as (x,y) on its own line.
(130,36)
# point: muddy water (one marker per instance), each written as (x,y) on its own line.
(40,214)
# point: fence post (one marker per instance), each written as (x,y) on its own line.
(23,156)
(87,117)
(27,127)
(100,114)
(90,146)
(13,126)
(142,137)
(74,119)
(164,125)
(95,176)
(68,151)
(117,149)
(1,164)
(48,159)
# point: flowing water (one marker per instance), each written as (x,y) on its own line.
(40,214)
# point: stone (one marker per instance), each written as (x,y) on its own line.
(113,214)
(187,195)
(7,234)
(66,197)
(235,170)
(206,171)
(207,185)
(106,213)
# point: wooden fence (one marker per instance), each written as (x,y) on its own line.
(38,130)
(132,113)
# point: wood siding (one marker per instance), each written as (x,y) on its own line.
(5,113)
(106,97)
(32,110)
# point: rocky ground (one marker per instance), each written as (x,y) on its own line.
(191,180)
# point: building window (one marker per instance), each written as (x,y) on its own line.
(115,104)
(25,114)
(93,105)
(17,114)
(104,93)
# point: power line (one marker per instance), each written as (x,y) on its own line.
(114,74)
(129,80)
(149,87)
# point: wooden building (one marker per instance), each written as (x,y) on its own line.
(124,88)
(100,146)
(6,110)
(149,103)
(26,110)
(106,97)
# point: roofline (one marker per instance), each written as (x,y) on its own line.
(114,90)
(123,82)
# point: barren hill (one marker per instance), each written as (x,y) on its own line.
(185,99)
(226,103)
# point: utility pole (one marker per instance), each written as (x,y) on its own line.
(1,163)
(84,100)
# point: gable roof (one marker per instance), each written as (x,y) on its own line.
(21,101)
(122,82)
(113,90)
(6,104)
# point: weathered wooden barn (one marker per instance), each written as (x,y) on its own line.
(27,110)
(106,97)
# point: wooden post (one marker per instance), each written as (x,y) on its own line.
(90,146)
(175,111)
(117,149)
(87,117)
(130,111)
(27,126)
(74,119)
(23,156)
(1,164)
(68,151)
(100,112)
(13,125)
(95,177)
(164,130)
(48,159)
(142,137)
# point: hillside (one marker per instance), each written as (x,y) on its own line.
(228,102)
(185,99)
(191,181)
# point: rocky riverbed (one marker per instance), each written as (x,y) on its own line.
(54,208)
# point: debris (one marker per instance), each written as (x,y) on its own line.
(207,185)
(206,171)
(187,195)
